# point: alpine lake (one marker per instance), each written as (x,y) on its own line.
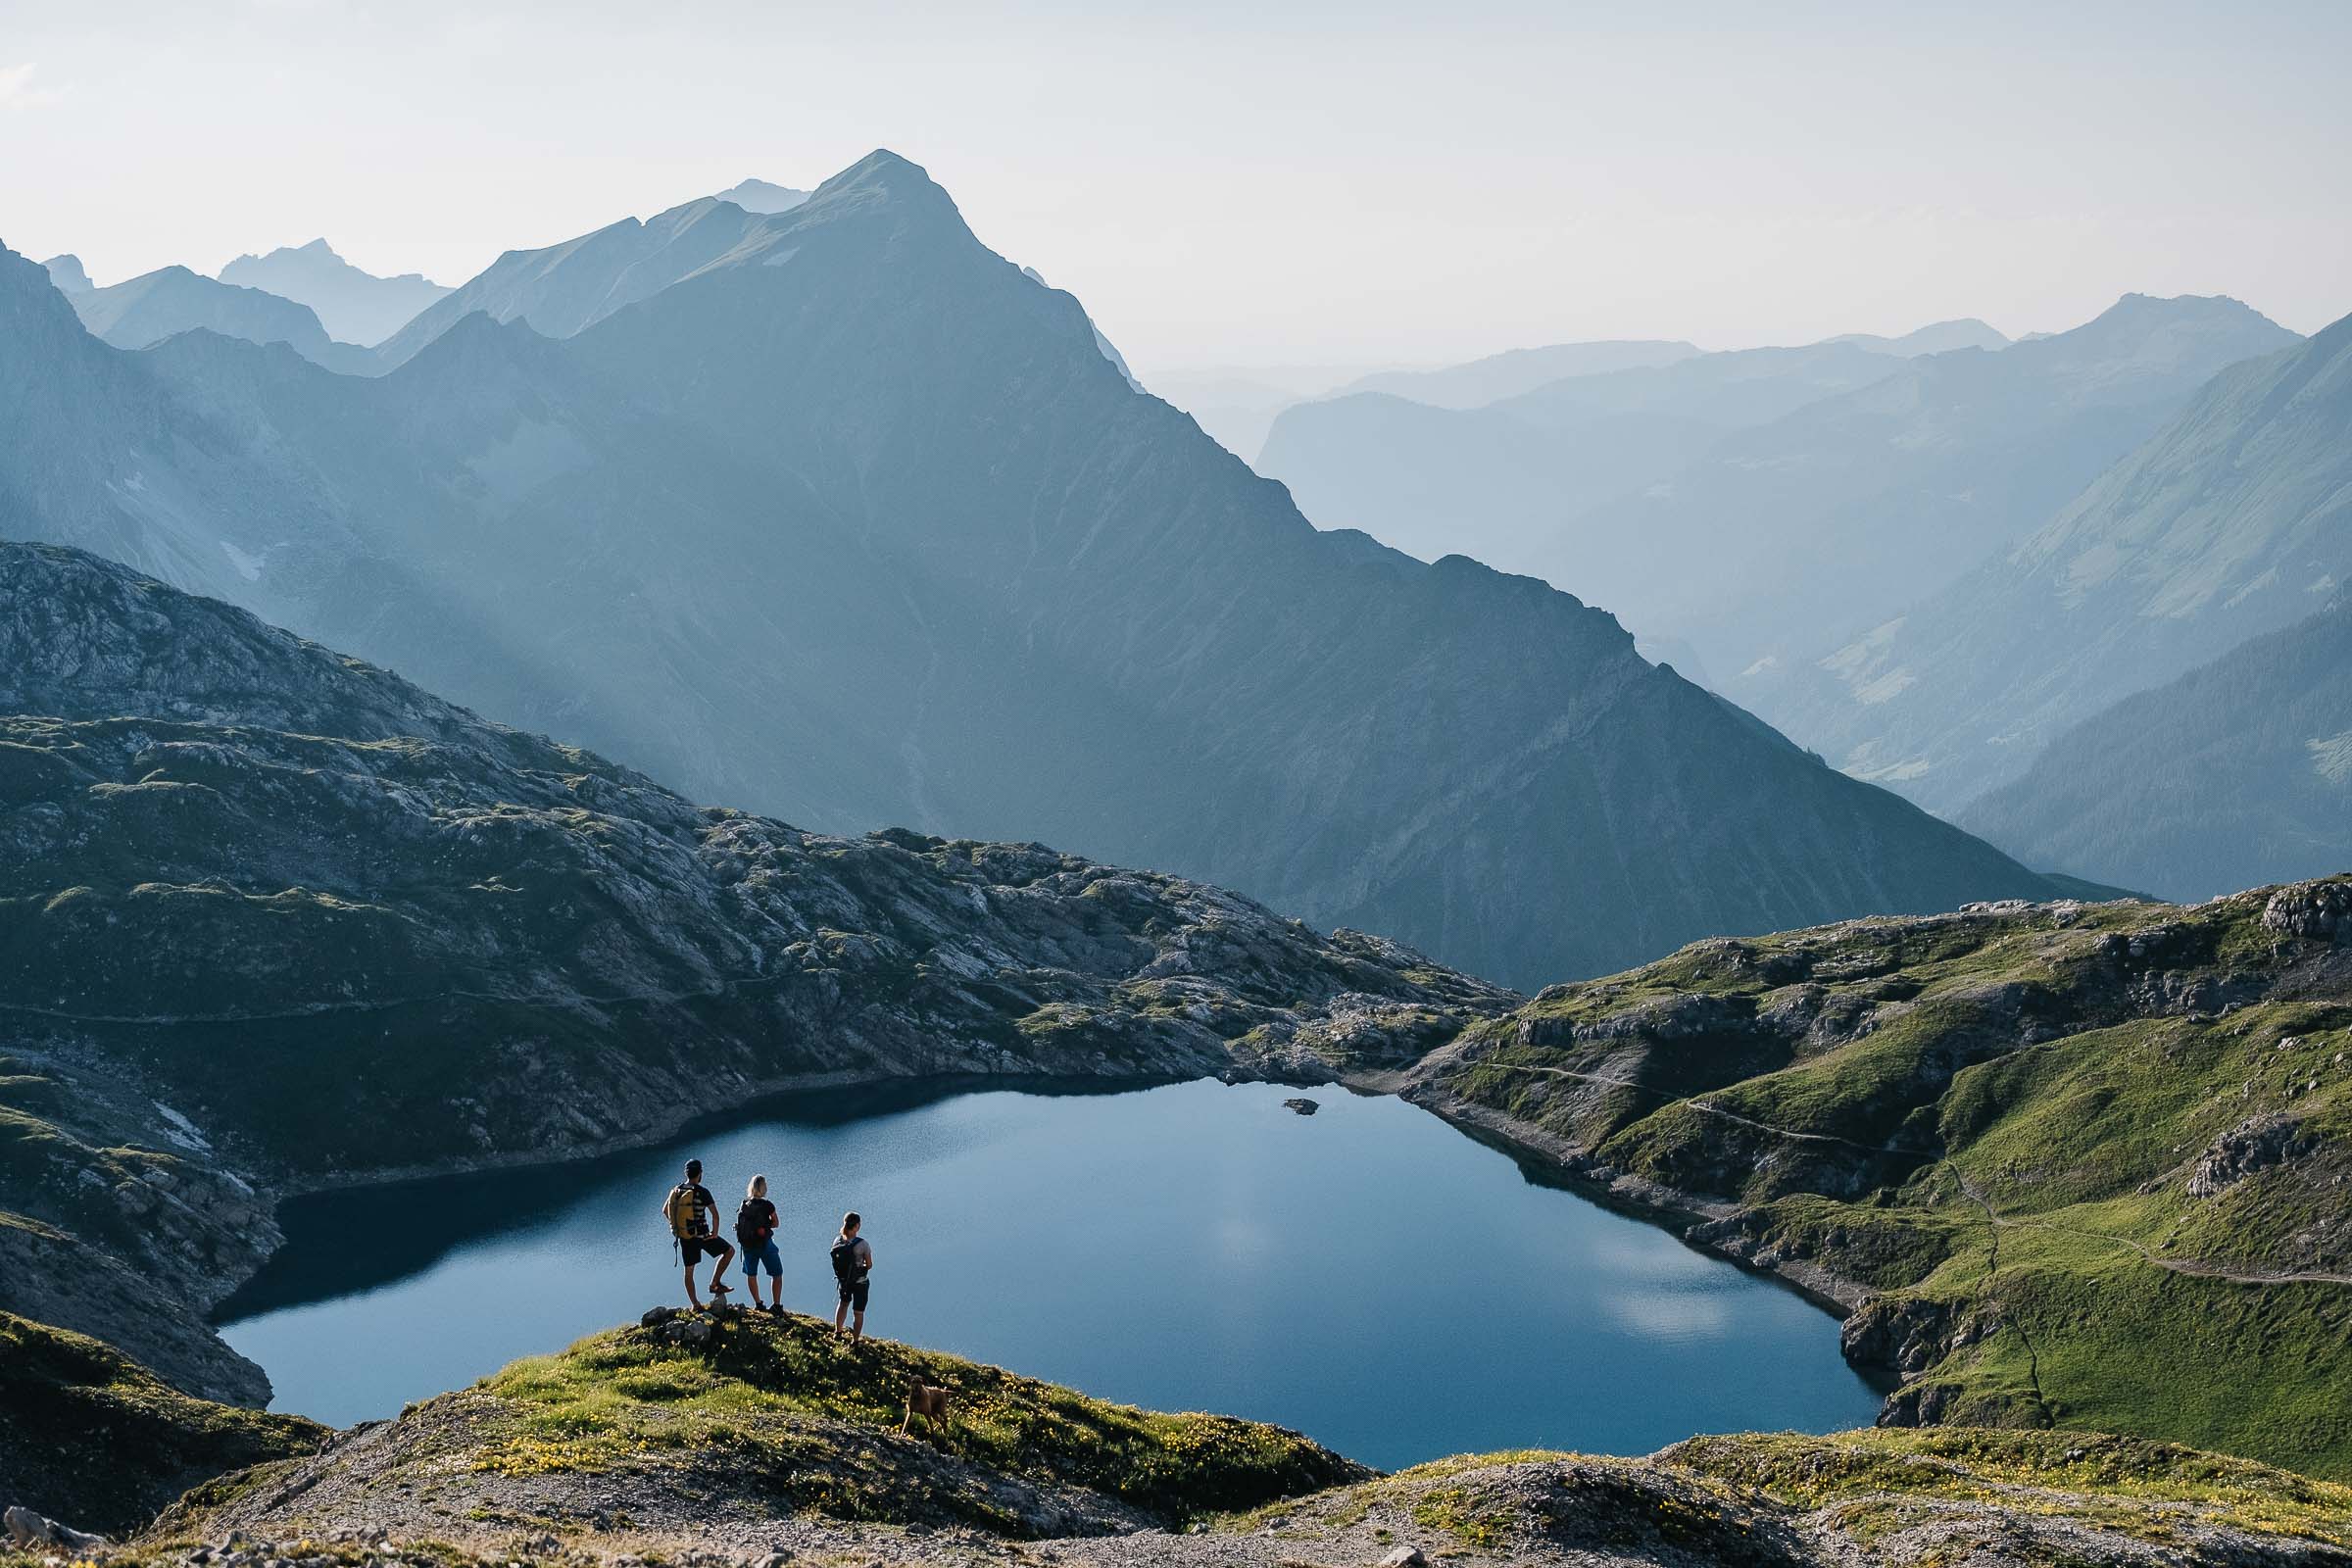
(1368,1274)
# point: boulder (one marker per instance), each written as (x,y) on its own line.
(1303,1106)
(29,1531)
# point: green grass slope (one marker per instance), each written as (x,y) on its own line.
(2081,1165)
(704,1440)
(92,1437)
(690,1423)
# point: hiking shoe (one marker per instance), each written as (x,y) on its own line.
(722,1289)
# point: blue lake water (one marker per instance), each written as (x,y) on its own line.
(1367,1275)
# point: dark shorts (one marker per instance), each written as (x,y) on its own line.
(695,1247)
(853,1295)
(761,1254)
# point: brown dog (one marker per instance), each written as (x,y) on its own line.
(926,1402)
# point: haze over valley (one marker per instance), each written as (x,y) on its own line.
(1603,758)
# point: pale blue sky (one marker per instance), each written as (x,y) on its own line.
(1237,183)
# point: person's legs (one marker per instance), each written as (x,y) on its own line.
(718,1270)
(693,1301)
(858,1299)
(841,1314)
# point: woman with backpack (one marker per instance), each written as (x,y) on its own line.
(756,1230)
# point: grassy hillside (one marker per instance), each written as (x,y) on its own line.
(717,1439)
(2090,1165)
(758,1417)
(96,1438)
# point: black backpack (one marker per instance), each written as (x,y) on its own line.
(844,1260)
(751,1225)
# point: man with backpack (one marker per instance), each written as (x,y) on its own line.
(755,1231)
(852,1261)
(693,1216)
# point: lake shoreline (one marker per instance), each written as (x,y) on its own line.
(1212,1219)
(1678,1213)
(1670,1208)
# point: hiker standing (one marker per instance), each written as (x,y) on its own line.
(756,1232)
(852,1261)
(693,1216)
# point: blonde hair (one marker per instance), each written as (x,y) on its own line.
(757,1187)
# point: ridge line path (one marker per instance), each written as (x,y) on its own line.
(2195,1267)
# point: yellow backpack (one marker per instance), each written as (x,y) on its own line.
(683,1211)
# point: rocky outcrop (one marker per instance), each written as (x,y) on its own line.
(2251,1147)
(2315,911)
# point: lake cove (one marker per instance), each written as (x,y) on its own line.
(1367,1274)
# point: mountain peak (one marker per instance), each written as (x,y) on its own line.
(67,273)
(884,174)
(2144,325)
(764,196)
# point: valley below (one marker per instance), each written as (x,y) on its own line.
(280,934)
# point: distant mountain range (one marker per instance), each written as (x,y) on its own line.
(1785,537)
(1939,337)
(2233,521)
(354,305)
(853,522)
(1756,505)
(171,300)
(1501,483)
(1507,374)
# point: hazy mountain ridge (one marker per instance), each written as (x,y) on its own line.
(1478,382)
(2227,523)
(763,196)
(1787,536)
(1074,615)
(354,305)
(155,305)
(1503,483)
(67,273)
(558,290)
(1747,502)
(2239,771)
(1937,338)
